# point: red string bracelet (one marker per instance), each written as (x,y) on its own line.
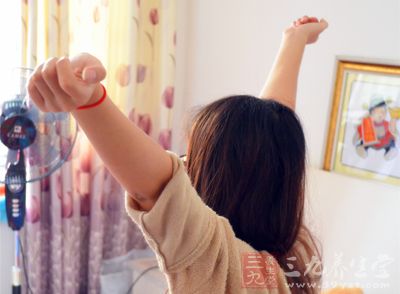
(97,102)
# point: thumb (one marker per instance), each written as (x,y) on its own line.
(93,74)
(324,24)
(88,68)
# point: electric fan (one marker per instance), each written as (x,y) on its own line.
(33,145)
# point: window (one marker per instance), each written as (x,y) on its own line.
(10,60)
(10,50)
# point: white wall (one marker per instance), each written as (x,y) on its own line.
(227,47)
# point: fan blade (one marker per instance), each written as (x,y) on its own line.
(61,115)
(33,114)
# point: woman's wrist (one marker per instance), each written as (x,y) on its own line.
(294,35)
(96,96)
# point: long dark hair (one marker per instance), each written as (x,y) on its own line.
(247,160)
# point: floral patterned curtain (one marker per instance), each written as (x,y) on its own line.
(76,217)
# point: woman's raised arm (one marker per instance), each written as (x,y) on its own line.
(140,165)
(281,83)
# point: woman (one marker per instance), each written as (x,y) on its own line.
(246,161)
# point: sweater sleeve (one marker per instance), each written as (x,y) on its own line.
(180,226)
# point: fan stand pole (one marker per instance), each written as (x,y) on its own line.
(16,270)
(15,207)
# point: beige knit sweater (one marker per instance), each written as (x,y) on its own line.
(196,249)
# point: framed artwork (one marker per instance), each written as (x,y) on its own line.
(364,129)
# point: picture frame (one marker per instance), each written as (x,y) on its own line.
(364,129)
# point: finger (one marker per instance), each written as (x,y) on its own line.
(313,19)
(298,22)
(304,19)
(66,78)
(90,68)
(35,96)
(49,73)
(44,90)
(93,74)
(52,105)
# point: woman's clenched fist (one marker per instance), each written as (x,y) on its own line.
(63,84)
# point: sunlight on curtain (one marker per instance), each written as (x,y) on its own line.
(136,41)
